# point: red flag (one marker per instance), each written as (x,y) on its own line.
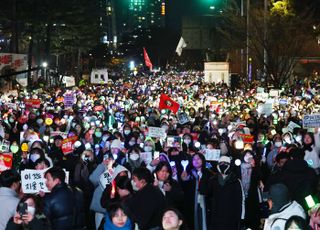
(167,103)
(147,59)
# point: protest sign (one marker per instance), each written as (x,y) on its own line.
(12,105)
(105,179)
(67,144)
(183,118)
(68,100)
(212,154)
(58,133)
(265,109)
(33,181)
(292,126)
(174,141)
(5,146)
(247,138)
(156,132)
(262,96)
(5,161)
(311,121)
(32,103)
(146,157)
(283,102)
(260,90)
(274,93)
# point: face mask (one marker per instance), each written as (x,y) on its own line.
(223,169)
(132,143)
(34,157)
(278,144)
(31,210)
(134,186)
(98,134)
(298,138)
(11,120)
(187,141)
(147,148)
(127,132)
(134,156)
(287,140)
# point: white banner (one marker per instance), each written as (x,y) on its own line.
(212,154)
(157,132)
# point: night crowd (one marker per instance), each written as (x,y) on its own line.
(216,158)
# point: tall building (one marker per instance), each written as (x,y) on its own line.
(108,21)
(136,14)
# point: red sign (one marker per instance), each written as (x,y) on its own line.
(195,136)
(67,144)
(5,162)
(247,138)
(32,103)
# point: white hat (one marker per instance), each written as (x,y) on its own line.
(116,144)
(225,159)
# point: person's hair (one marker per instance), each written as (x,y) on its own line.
(56,173)
(282,155)
(42,145)
(8,177)
(113,208)
(143,174)
(179,215)
(42,160)
(124,182)
(203,159)
(37,202)
(299,221)
(161,165)
(311,135)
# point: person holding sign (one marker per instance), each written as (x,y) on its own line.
(29,215)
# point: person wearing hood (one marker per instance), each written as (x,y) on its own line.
(281,207)
(227,198)
(277,144)
(101,177)
(134,160)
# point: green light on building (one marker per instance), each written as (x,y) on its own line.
(136,5)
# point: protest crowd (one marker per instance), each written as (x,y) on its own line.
(161,152)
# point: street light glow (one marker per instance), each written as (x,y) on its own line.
(44,64)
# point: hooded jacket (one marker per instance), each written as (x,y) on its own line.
(278,220)
(95,180)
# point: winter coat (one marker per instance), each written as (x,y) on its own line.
(146,207)
(227,202)
(9,201)
(39,222)
(300,179)
(64,207)
(278,220)
(312,157)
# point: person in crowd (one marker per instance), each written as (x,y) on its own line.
(168,186)
(147,204)
(225,190)
(296,222)
(31,218)
(117,218)
(194,201)
(9,195)
(314,214)
(311,150)
(282,207)
(172,219)
(63,206)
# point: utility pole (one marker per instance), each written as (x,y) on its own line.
(265,57)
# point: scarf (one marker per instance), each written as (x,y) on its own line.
(246,170)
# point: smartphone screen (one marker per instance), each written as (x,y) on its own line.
(23,209)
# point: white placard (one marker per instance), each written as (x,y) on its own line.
(274,93)
(260,90)
(262,96)
(311,121)
(33,181)
(265,109)
(212,154)
(157,132)
(105,179)
(146,157)
(292,126)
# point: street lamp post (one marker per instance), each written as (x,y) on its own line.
(45,65)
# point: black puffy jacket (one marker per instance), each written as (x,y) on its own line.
(64,207)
